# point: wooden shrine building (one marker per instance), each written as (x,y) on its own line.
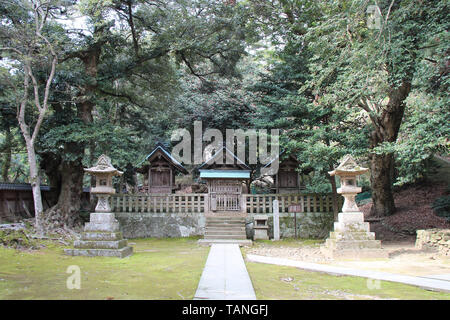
(159,169)
(225,175)
(287,179)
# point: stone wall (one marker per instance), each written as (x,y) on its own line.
(160,225)
(315,225)
(434,239)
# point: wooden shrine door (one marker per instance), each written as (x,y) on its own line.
(225,195)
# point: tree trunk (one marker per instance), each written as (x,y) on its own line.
(65,214)
(35,187)
(381,167)
(6,155)
(332,180)
(386,128)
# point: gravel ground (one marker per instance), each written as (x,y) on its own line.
(404,258)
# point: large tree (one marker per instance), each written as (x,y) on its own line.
(373,66)
(117,76)
(25,39)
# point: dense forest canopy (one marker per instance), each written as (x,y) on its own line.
(82,78)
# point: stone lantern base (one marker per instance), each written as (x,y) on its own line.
(101,237)
(352,239)
(260,227)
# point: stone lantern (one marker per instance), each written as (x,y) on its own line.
(348,171)
(103,173)
(101,236)
(351,237)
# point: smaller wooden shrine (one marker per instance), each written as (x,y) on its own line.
(159,169)
(287,179)
(224,178)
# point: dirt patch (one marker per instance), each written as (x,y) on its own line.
(303,253)
(404,258)
(413,213)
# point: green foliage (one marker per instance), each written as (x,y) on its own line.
(424,132)
(319,74)
(330,83)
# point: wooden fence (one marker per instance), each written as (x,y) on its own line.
(159,203)
(312,202)
(198,202)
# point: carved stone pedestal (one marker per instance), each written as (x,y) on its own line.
(101,237)
(352,239)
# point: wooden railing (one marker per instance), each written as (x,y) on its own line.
(314,202)
(198,202)
(159,203)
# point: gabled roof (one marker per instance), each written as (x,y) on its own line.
(104,166)
(20,186)
(348,166)
(271,172)
(26,187)
(228,153)
(161,148)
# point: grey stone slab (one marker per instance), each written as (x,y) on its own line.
(225,276)
(100,244)
(426,283)
(120,253)
(105,236)
(239,242)
(445,276)
(102,227)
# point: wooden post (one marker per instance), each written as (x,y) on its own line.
(244,203)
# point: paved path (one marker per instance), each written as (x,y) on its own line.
(437,282)
(225,276)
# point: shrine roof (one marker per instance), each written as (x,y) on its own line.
(229,174)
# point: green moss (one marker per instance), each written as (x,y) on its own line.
(282,283)
(158,269)
(17,239)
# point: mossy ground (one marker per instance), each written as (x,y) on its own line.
(171,269)
(158,269)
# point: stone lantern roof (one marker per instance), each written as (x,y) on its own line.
(348,167)
(104,166)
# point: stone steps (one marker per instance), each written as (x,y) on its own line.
(99,235)
(226,236)
(100,244)
(339,235)
(225,228)
(209,242)
(213,231)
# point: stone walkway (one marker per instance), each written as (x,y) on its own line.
(225,276)
(436,282)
